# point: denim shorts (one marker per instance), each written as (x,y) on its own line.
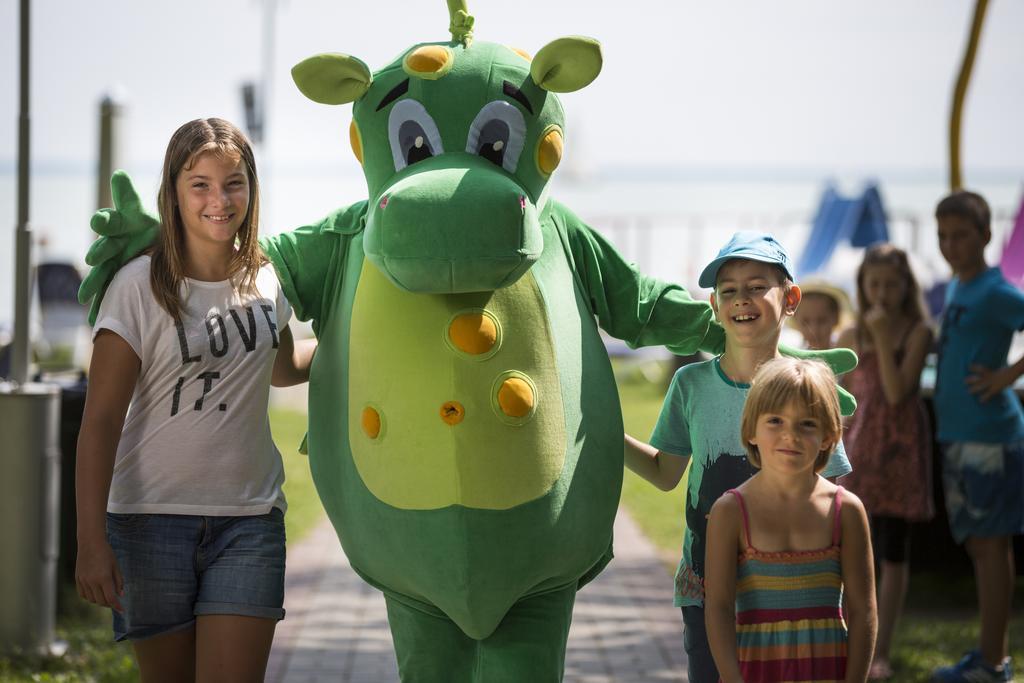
(178,567)
(984,487)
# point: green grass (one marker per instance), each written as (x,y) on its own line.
(304,508)
(92,655)
(940,622)
(927,638)
(659,514)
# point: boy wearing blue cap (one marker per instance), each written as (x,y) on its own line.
(754,293)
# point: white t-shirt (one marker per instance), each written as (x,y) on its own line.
(196,440)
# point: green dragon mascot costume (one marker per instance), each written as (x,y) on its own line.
(465,433)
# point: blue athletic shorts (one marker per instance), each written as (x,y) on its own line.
(984,486)
(178,567)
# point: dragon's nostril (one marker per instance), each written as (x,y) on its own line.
(522,202)
(384,202)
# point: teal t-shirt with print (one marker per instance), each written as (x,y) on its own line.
(978,324)
(701,418)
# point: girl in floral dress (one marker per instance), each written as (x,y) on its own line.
(889,438)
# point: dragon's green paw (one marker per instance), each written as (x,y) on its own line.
(124,232)
(840,360)
(847,402)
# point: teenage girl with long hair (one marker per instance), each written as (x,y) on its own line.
(180,508)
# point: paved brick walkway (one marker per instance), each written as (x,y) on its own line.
(624,629)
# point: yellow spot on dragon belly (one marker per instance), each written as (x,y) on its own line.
(473,333)
(516,397)
(370,420)
(452,412)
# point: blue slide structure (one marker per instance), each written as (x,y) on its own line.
(858,220)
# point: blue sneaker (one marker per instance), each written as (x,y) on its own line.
(973,669)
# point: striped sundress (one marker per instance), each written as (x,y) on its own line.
(789,620)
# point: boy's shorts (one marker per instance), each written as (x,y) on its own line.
(178,567)
(984,486)
(701,664)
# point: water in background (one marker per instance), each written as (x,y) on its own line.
(670,228)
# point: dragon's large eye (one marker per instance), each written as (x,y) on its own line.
(497,134)
(412,133)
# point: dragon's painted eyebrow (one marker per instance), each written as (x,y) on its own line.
(394,94)
(517,95)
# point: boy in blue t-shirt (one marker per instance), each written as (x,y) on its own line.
(980,425)
(754,294)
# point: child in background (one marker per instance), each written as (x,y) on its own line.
(180,508)
(823,308)
(754,294)
(889,438)
(776,614)
(980,426)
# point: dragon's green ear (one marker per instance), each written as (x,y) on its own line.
(332,78)
(567,64)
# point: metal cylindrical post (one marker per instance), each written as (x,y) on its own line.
(29,501)
(23,240)
(111,114)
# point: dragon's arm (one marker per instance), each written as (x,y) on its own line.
(644,311)
(640,310)
(309,260)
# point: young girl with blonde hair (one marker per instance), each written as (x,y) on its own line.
(785,546)
(180,508)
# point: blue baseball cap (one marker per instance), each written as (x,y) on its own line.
(754,246)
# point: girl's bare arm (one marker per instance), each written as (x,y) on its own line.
(664,470)
(291,366)
(113,371)
(859,588)
(723,544)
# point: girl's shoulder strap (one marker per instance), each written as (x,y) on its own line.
(837,525)
(743,513)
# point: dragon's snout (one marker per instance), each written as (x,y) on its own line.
(453,226)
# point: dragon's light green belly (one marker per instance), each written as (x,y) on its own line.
(454,399)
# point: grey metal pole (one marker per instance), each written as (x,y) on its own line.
(23,239)
(30,488)
(111,110)
(30,450)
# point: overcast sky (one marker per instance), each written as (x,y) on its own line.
(862,85)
